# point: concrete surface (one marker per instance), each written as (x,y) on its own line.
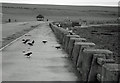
(46,63)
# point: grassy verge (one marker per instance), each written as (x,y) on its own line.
(105,37)
(12,37)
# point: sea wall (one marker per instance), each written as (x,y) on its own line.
(93,64)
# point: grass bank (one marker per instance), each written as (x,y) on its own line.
(12,37)
(105,37)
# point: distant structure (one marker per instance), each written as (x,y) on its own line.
(9,20)
(15,20)
(75,23)
(40,17)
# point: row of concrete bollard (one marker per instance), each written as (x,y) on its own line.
(93,64)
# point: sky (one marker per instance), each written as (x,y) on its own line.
(67,2)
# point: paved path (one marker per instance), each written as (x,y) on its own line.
(46,63)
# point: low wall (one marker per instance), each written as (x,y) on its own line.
(93,64)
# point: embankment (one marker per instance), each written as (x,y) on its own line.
(17,33)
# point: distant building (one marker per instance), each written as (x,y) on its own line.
(9,20)
(75,23)
(40,18)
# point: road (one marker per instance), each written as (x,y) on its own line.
(46,63)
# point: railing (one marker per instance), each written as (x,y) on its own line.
(93,64)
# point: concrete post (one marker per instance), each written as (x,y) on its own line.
(119,79)
(62,32)
(67,39)
(64,40)
(85,60)
(60,36)
(118,59)
(71,44)
(59,32)
(110,72)
(63,37)
(77,49)
(56,33)
(96,66)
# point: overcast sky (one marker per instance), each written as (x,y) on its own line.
(67,2)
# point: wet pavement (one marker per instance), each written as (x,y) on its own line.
(47,63)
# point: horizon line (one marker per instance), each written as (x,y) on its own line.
(60,4)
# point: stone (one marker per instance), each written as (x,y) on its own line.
(85,60)
(78,48)
(71,44)
(67,39)
(110,72)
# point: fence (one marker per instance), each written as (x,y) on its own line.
(93,64)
